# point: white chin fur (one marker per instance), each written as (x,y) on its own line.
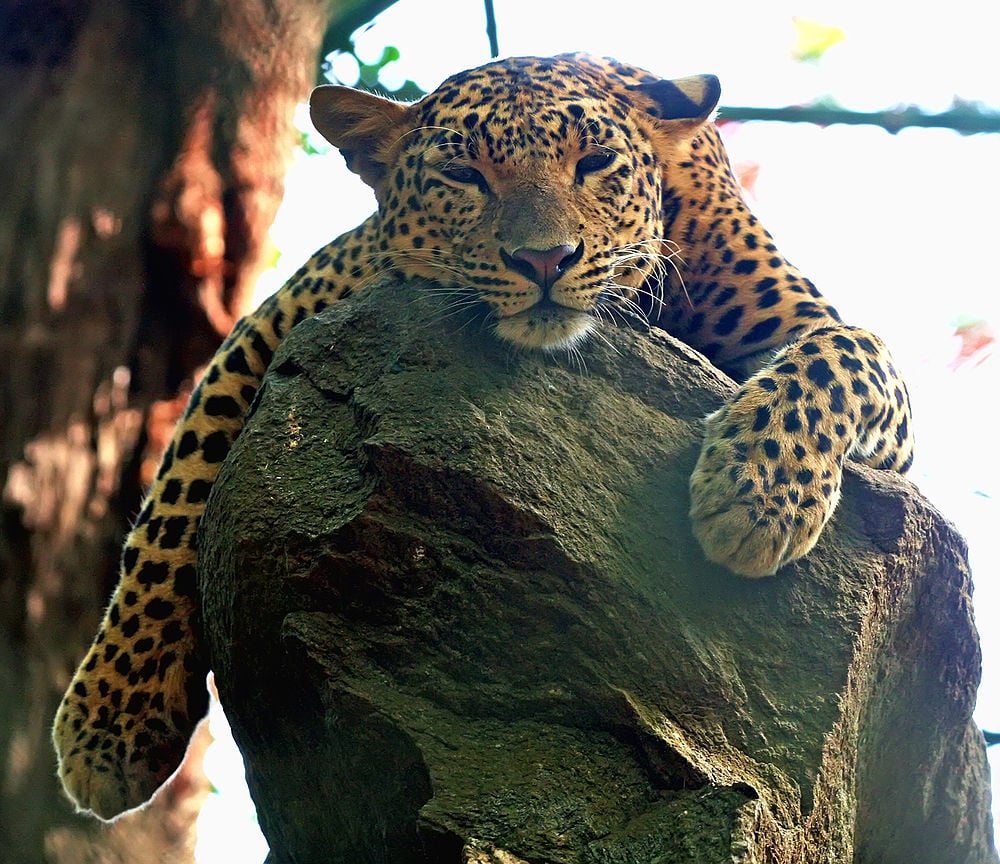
(548,330)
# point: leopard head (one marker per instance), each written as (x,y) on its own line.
(533,185)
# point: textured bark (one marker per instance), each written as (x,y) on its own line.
(141,163)
(456,614)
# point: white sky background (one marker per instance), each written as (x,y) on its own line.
(900,232)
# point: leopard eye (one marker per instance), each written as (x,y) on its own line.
(594,162)
(465,175)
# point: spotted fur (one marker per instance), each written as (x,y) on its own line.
(555,192)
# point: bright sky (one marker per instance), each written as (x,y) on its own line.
(882,223)
(894,51)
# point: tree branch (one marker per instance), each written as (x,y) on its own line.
(966,120)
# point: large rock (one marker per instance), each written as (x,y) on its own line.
(456,614)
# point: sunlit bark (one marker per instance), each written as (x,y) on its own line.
(142,154)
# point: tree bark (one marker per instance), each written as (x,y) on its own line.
(456,614)
(141,164)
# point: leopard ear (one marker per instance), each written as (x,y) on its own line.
(692,98)
(361,125)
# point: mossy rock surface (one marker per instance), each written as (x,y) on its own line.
(456,614)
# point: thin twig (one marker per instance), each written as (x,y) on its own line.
(491,29)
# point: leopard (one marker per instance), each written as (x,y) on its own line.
(557,194)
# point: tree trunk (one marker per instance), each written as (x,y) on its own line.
(141,163)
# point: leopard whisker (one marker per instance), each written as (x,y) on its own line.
(432,128)
(430,258)
(598,333)
(622,303)
(648,255)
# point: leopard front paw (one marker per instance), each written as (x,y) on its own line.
(760,496)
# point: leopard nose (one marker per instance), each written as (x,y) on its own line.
(543,266)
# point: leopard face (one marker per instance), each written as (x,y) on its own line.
(536,192)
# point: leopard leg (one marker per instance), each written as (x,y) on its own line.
(124,724)
(769,474)
(129,712)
